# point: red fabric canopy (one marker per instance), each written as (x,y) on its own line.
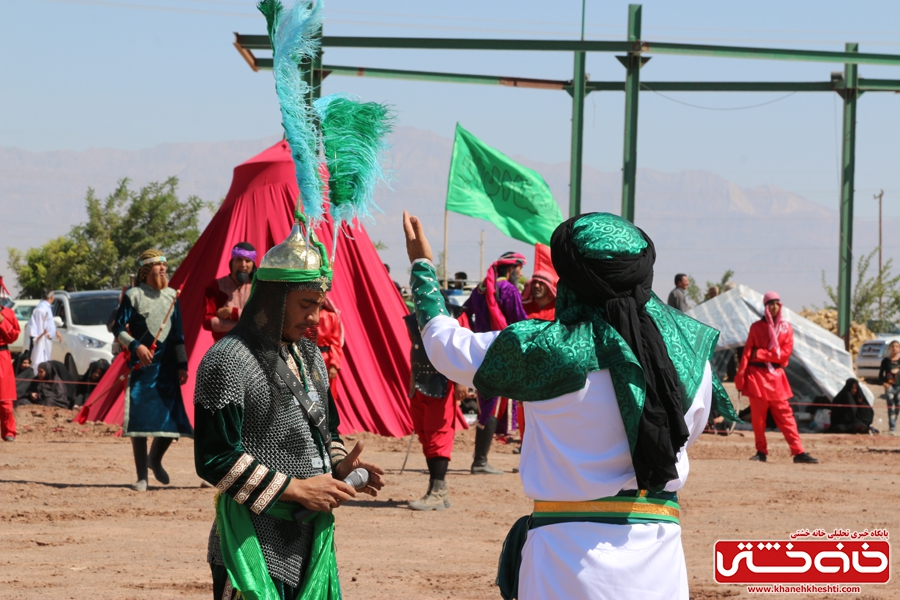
(542,260)
(259,209)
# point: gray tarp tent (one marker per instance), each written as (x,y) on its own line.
(819,366)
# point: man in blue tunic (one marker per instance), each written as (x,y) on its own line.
(148,325)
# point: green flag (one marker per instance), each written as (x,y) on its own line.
(486,184)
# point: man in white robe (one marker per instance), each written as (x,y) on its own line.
(614,390)
(42,329)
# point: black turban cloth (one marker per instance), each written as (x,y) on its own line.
(621,287)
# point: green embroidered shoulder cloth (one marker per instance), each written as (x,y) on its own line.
(536,360)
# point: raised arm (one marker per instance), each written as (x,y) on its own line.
(454,351)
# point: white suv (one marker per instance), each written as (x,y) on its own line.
(23,310)
(81,319)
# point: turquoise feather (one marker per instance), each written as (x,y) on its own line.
(353,134)
(295,36)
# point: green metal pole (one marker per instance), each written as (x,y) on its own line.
(317,76)
(632,90)
(845,264)
(578,94)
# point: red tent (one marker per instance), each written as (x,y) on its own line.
(542,260)
(259,209)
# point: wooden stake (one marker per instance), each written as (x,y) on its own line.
(446,233)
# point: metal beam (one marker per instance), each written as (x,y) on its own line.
(427,43)
(632,93)
(738,86)
(248,56)
(860,58)
(261,42)
(879,85)
(872,85)
(575,157)
(524,82)
(848,160)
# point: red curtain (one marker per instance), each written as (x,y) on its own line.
(259,209)
(542,260)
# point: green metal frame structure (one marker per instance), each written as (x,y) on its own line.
(635,52)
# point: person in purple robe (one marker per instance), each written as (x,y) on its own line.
(493,305)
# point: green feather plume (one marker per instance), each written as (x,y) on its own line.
(353,134)
(294,32)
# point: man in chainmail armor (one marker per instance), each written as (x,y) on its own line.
(266,437)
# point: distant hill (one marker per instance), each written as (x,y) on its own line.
(42,193)
(701,223)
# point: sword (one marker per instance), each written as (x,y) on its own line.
(408,448)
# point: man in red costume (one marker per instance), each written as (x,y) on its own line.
(331,342)
(762,379)
(226,296)
(539,297)
(9,333)
(432,405)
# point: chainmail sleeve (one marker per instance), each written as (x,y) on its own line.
(219,454)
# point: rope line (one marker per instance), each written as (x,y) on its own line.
(779,99)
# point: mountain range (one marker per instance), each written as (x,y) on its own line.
(701,223)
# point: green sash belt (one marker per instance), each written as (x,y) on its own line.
(246,565)
(630,507)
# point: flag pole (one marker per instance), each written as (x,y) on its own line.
(481,271)
(446,231)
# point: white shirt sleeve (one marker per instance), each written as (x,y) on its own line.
(697,415)
(456,352)
(696,419)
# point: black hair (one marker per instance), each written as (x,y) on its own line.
(679,277)
(503,270)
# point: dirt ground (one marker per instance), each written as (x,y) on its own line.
(71,528)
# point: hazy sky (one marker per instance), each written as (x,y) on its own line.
(137,73)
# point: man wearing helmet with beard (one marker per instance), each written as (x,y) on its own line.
(226,296)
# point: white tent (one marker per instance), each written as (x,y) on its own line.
(819,365)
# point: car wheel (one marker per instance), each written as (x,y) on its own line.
(71,366)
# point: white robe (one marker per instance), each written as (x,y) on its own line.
(42,330)
(575,449)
